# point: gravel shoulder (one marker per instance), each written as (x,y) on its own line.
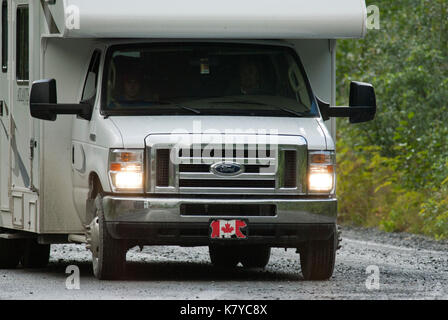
(401,239)
(409,266)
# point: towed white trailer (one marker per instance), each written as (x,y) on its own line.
(188,123)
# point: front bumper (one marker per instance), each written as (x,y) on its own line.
(159,220)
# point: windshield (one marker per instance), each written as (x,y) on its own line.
(205,79)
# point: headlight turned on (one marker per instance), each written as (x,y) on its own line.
(321,172)
(126,170)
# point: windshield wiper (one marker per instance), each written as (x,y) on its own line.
(153,106)
(297,113)
(189,109)
(240,102)
(170,103)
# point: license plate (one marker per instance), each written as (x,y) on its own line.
(228,229)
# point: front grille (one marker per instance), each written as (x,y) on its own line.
(206,168)
(194,168)
(193,183)
(281,170)
(225,152)
(290,171)
(162,167)
(224,210)
(253,162)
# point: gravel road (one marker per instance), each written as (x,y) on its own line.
(410,267)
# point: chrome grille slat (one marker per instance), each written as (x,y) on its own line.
(236,152)
(211,160)
(211,176)
(227,183)
(205,168)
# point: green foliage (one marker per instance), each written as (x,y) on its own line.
(435,214)
(401,158)
(370,191)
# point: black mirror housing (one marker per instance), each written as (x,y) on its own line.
(44,106)
(363,100)
(43,92)
(362,104)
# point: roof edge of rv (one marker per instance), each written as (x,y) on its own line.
(294,19)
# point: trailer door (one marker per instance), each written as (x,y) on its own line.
(23,183)
(4,110)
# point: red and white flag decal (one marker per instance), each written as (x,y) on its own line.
(226,229)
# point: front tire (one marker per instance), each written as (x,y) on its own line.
(317,258)
(108,254)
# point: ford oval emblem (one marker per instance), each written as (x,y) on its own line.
(227,169)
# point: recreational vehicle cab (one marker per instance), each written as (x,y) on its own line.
(189,123)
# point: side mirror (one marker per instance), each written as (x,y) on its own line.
(43,92)
(362,104)
(44,106)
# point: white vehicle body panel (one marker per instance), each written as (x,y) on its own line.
(133,129)
(52,200)
(260,19)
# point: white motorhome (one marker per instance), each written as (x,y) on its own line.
(190,123)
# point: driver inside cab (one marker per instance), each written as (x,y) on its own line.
(132,91)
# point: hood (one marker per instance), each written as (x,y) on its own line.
(135,129)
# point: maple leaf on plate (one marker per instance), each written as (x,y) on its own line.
(227,228)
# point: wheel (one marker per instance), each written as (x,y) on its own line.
(10,253)
(224,256)
(35,255)
(108,254)
(317,258)
(255,256)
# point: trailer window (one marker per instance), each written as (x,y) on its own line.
(207,79)
(4,36)
(22,33)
